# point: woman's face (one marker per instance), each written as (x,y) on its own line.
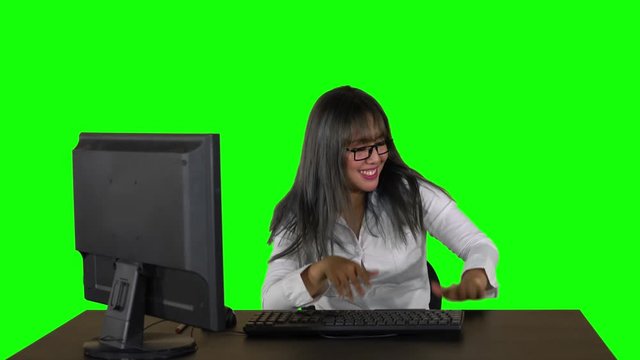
(363,175)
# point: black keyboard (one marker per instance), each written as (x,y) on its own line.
(353,322)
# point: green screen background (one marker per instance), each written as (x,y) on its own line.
(527,114)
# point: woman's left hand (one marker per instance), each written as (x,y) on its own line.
(473,285)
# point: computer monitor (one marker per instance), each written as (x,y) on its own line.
(148,225)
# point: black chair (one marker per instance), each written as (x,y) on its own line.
(436,301)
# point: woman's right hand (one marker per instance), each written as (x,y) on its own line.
(341,273)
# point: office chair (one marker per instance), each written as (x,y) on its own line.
(436,301)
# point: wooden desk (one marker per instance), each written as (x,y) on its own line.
(500,334)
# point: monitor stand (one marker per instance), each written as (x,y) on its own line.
(123,327)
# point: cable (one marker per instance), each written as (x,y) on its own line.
(236,332)
(153,324)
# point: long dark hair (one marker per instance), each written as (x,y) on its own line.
(306,216)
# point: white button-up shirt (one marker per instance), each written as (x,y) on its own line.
(402,281)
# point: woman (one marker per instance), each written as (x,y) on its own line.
(350,234)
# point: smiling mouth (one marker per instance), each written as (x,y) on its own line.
(369,173)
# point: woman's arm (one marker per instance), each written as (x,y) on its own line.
(283,287)
(448,224)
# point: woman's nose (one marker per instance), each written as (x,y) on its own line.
(374,158)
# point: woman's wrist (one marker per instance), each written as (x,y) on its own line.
(478,276)
(316,273)
(314,278)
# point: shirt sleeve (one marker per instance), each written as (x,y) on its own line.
(448,224)
(283,288)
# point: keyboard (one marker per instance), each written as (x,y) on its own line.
(353,322)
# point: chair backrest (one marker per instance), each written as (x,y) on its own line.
(436,301)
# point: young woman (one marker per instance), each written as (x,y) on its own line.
(350,234)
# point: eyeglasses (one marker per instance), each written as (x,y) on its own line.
(364,152)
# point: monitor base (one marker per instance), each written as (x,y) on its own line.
(155,346)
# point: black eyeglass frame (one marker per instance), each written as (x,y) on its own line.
(370,149)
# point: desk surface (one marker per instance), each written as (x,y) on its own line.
(512,334)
